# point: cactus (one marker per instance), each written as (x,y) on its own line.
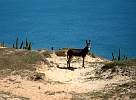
(119,58)
(17,43)
(29,46)
(3,44)
(52,48)
(126,58)
(113,58)
(21,45)
(13,45)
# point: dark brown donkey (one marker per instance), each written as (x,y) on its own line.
(78,52)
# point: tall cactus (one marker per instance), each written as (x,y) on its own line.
(21,46)
(119,58)
(29,46)
(3,44)
(17,43)
(113,58)
(13,45)
(24,45)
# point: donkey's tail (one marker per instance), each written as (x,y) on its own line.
(68,53)
(67,56)
(68,60)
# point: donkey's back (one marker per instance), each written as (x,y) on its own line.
(74,52)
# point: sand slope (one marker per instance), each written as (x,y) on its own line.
(59,82)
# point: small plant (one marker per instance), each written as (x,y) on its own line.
(118,58)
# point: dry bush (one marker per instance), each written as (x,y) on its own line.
(61,53)
(47,54)
(37,76)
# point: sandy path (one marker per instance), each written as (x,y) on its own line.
(59,83)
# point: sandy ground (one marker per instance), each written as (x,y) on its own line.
(59,83)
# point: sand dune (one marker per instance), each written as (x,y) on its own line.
(60,83)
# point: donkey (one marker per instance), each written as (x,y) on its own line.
(78,52)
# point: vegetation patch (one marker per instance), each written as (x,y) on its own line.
(125,68)
(9,96)
(17,61)
(115,92)
(30,57)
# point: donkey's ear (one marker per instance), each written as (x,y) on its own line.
(89,41)
(86,42)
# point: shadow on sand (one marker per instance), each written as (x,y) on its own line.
(69,68)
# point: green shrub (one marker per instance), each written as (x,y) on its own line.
(32,57)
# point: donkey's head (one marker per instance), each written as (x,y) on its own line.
(88,44)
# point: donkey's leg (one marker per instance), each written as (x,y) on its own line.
(83,62)
(68,63)
(69,60)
